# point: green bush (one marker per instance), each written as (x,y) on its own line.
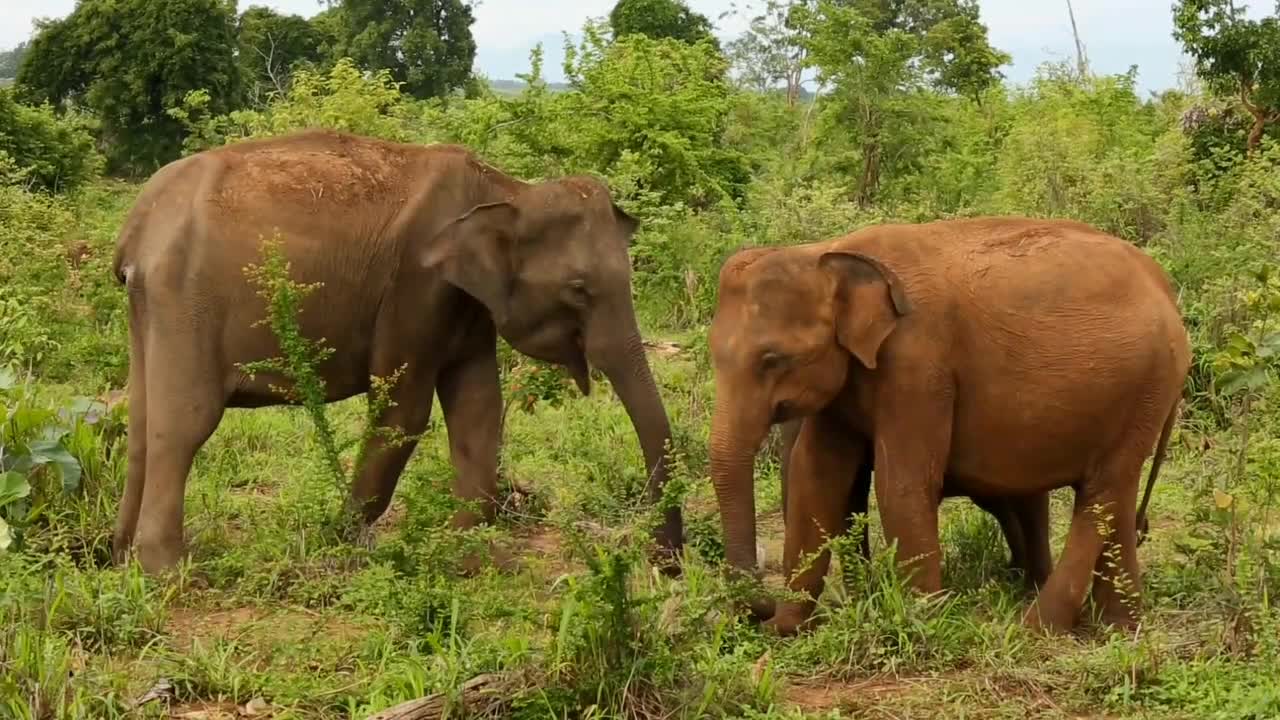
(343,98)
(41,151)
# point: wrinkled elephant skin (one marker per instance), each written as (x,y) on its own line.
(1003,356)
(424,254)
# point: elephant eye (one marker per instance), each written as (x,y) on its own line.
(772,360)
(576,292)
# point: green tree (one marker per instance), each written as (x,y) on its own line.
(660,19)
(270,45)
(426,44)
(1237,57)
(878,55)
(131,60)
(772,49)
(651,114)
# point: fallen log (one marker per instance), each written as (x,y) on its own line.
(479,696)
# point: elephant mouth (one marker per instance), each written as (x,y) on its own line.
(782,412)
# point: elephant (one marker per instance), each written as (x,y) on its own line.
(424,255)
(1011,355)
(1023,520)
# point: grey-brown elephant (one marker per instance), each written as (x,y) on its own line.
(426,255)
(1024,520)
(1012,356)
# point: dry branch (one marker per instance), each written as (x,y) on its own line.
(480,696)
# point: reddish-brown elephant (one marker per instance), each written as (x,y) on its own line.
(1024,520)
(1010,355)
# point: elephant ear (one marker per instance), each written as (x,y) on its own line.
(628,223)
(476,252)
(869,300)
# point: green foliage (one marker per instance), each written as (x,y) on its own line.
(660,19)
(341,99)
(1236,56)
(1086,150)
(1251,356)
(270,46)
(274,608)
(650,115)
(51,456)
(39,150)
(878,57)
(772,49)
(426,44)
(60,311)
(129,61)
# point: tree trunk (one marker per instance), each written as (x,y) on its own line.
(870,173)
(1255,134)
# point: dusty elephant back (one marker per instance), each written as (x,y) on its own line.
(346,210)
(317,188)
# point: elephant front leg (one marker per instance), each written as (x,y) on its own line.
(471,398)
(1033,514)
(910,462)
(823,468)
(385,455)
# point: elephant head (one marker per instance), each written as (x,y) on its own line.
(790,325)
(551,264)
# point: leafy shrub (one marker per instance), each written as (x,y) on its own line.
(651,113)
(1083,151)
(344,98)
(58,466)
(42,151)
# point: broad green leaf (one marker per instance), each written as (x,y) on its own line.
(13,487)
(1239,344)
(1222,499)
(7,379)
(6,536)
(1243,380)
(50,451)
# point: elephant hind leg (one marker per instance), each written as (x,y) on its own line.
(131,501)
(1117,585)
(1104,508)
(185,399)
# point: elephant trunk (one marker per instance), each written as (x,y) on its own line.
(735,439)
(624,363)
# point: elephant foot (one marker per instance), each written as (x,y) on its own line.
(667,560)
(121,549)
(762,609)
(158,558)
(1044,618)
(791,619)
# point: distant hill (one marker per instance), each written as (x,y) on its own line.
(515,87)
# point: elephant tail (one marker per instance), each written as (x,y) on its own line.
(1156,461)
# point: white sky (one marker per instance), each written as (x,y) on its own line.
(1117,33)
